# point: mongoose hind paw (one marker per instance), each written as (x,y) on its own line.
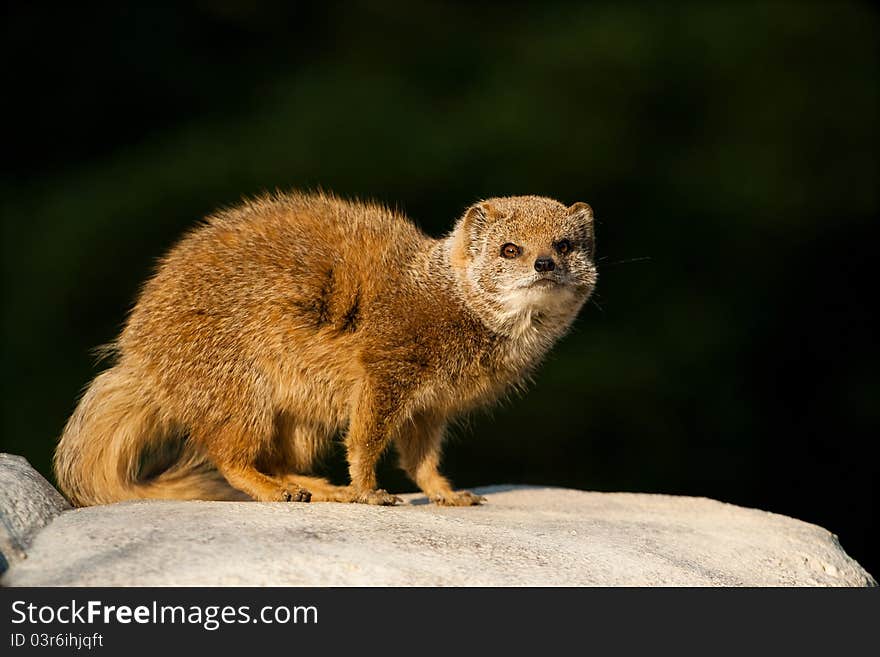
(296,495)
(379,497)
(458,498)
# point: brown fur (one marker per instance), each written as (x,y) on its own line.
(276,324)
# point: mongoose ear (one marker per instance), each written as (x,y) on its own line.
(581,211)
(476,217)
(466,234)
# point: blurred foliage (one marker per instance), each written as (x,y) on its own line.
(730,148)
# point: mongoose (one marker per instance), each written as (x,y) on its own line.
(274,325)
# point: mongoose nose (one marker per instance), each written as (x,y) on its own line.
(545,264)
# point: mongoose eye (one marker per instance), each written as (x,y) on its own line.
(563,246)
(510,251)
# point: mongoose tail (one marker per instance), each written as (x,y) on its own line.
(100,456)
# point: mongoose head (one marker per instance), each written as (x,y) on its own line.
(525,256)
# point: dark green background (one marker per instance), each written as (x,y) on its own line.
(733,145)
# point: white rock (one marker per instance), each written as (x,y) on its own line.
(523,536)
(27,504)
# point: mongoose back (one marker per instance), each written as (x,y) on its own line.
(277,324)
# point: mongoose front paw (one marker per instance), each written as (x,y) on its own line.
(458,498)
(380,497)
(295,495)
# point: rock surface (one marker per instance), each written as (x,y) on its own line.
(27,504)
(523,536)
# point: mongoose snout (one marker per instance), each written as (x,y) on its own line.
(544,264)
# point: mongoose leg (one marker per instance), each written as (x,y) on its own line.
(419,447)
(297,445)
(234,454)
(373,421)
(321,489)
(291,457)
(263,488)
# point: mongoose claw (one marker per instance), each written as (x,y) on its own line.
(378,497)
(298,495)
(458,498)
